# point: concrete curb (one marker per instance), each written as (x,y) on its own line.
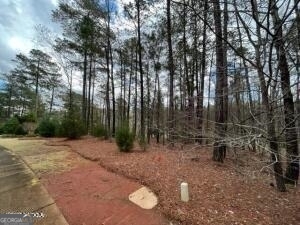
(21,191)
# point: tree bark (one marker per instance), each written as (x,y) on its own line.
(107,93)
(51,101)
(142,133)
(225,78)
(135,90)
(272,138)
(93,95)
(219,145)
(292,171)
(129,87)
(110,74)
(187,75)
(37,76)
(148,105)
(203,71)
(83,104)
(171,72)
(89,94)
(9,100)
(208,100)
(112,91)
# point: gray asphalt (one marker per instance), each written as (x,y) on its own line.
(21,191)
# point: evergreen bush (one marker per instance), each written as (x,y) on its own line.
(124,139)
(11,126)
(46,128)
(27,118)
(100,131)
(72,127)
(1,130)
(20,130)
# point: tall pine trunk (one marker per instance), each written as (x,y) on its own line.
(83,104)
(272,137)
(225,75)
(129,87)
(135,91)
(52,99)
(93,95)
(171,73)
(142,133)
(37,76)
(112,91)
(89,94)
(292,171)
(203,71)
(107,97)
(219,145)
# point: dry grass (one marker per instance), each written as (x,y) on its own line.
(41,157)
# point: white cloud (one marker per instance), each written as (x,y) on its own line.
(19,10)
(54,2)
(17,21)
(19,44)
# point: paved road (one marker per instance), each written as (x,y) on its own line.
(21,191)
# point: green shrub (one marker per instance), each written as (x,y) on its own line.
(72,127)
(10,126)
(59,131)
(20,131)
(100,131)
(13,126)
(27,118)
(46,128)
(124,139)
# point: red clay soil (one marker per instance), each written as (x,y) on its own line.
(90,195)
(219,194)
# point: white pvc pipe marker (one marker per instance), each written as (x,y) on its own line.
(184,192)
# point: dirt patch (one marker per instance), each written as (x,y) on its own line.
(91,195)
(219,195)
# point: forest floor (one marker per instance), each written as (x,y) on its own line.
(235,192)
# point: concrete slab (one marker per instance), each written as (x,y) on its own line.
(28,198)
(21,191)
(144,198)
(13,172)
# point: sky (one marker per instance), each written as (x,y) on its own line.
(18,19)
